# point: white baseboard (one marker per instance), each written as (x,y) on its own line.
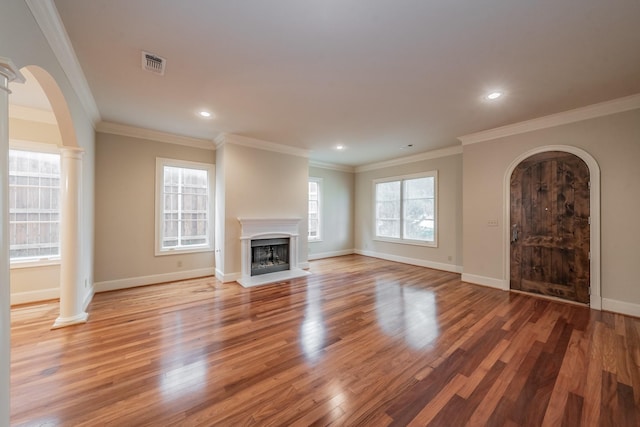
(412,261)
(331,254)
(88,298)
(486,281)
(229,277)
(35,296)
(621,307)
(132,282)
(304,265)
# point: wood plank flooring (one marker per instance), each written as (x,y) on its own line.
(361,342)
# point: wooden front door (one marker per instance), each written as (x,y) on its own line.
(550,226)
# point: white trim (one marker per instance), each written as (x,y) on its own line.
(331,254)
(304,265)
(48,19)
(62,322)
(272,278)
(154,135)
(154,279)
(88,298)
(223,139)
(594,212)
(331,166)
(606,108)
(435,154)
(412,261)
(35,296)
(32,114)
(229,277)
(503,285)
(9,70)
(34,263)
(622,307)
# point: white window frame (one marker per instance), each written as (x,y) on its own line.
(401,179)
(318,238)
(159,223)
(38,147)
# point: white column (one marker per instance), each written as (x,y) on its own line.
(8,73)
(71,282)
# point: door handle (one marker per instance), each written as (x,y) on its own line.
(514,233)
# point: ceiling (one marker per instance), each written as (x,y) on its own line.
(384,78)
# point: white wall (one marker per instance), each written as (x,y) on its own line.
(260,184)
(125,214)
(337,213)
(614,142)
(448,254)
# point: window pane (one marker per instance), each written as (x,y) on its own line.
(388,209)
(34,180)
(186,207)
(418,209)
(314,209)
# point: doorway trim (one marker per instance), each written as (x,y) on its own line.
(594,207)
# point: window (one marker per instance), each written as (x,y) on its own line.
(405,209)
(34,205)
(315,186)
(184,214)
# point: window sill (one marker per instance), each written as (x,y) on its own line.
(315,240)
(183,251)
(407,242)
(34,263)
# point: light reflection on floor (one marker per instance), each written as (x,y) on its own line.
(411,312)
(312,331)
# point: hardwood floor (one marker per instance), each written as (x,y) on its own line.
(360,342)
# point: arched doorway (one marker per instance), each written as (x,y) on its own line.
(71,289)
(549,258)
(550,238)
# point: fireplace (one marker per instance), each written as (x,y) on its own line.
(269,250)
(269,256)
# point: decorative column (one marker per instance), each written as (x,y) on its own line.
(8,72)
(71,283)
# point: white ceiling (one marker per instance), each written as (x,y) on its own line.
(374,75)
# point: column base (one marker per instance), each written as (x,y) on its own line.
(61,322)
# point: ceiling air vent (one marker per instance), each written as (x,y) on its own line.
(153,63)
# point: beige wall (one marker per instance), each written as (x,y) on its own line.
(125,212)
(448,254)
(26,130)
(614,142)
(337,212)
(260,184)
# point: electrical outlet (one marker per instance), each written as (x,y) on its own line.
(492,223)
(179,263)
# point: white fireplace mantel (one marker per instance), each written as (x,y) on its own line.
(269,228)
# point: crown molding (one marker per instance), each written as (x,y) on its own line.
(48,19)
(428,155)
(227,138)
(154,135)
(332,166)
(32,114)
(606,108)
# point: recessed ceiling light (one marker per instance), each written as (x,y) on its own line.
(339,147)
(204,114)
(494,95)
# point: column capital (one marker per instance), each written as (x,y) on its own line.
(71,152)
(11,73)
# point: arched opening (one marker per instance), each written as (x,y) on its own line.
(40,122)
(595,298)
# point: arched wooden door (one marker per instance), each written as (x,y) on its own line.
(550,226)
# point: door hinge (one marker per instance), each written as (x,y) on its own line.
(589,183)
(589,254)
(589,290)
(589,220)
